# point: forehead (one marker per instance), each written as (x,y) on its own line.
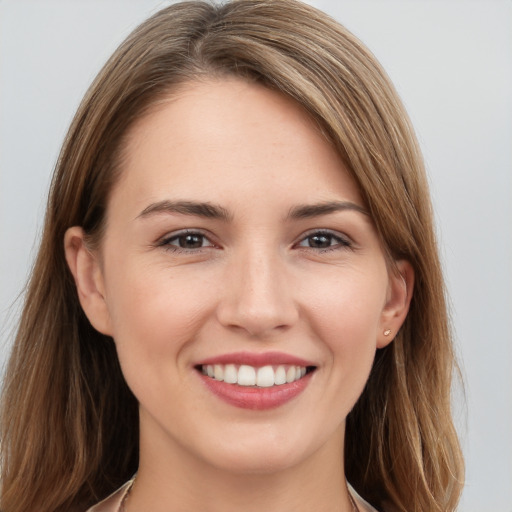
(228,136)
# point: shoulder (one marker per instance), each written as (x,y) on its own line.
(113,502)
(361,503)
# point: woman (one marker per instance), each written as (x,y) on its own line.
(238,295)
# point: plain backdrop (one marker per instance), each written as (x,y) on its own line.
(451,62)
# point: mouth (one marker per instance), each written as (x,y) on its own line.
(245,375)
(256,381)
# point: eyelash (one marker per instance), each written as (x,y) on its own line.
(166,242)
(341,242)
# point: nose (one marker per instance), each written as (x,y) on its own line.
(258,296)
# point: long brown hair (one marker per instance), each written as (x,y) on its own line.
(69,423)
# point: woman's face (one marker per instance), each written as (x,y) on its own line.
(238,255)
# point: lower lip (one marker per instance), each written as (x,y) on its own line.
(256,398)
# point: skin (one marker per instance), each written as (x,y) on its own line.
(256,280)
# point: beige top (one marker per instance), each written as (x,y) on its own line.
(113,502)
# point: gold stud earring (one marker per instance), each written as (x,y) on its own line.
(387,332)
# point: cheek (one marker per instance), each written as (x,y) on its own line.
(155,316)
(154,313)
(347,305)
(345,315)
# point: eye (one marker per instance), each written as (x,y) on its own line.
(324,240)
(186,241)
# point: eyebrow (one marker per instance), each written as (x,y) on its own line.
(308,211)
(212,211)
(198,209)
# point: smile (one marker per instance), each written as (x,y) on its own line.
(251,376)
(255,381)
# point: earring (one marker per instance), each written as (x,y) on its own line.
(387,332)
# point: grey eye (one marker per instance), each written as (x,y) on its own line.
(321,241)
(189,241)
(324,240)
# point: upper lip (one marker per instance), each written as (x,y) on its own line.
(256,359)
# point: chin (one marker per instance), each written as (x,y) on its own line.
(256,465)
(257,458)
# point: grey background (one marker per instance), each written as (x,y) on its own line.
(452,64)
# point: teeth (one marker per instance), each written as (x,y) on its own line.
(218,372)
(265,377)
(245,375)
(280,376)
(290,374)
(230,374)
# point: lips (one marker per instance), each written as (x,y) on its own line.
(256,381)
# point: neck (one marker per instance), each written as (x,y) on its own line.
(180,481)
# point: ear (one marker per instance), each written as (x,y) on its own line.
(88,275)
(398,300)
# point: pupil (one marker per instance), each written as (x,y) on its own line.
(191,241)
(320,241)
